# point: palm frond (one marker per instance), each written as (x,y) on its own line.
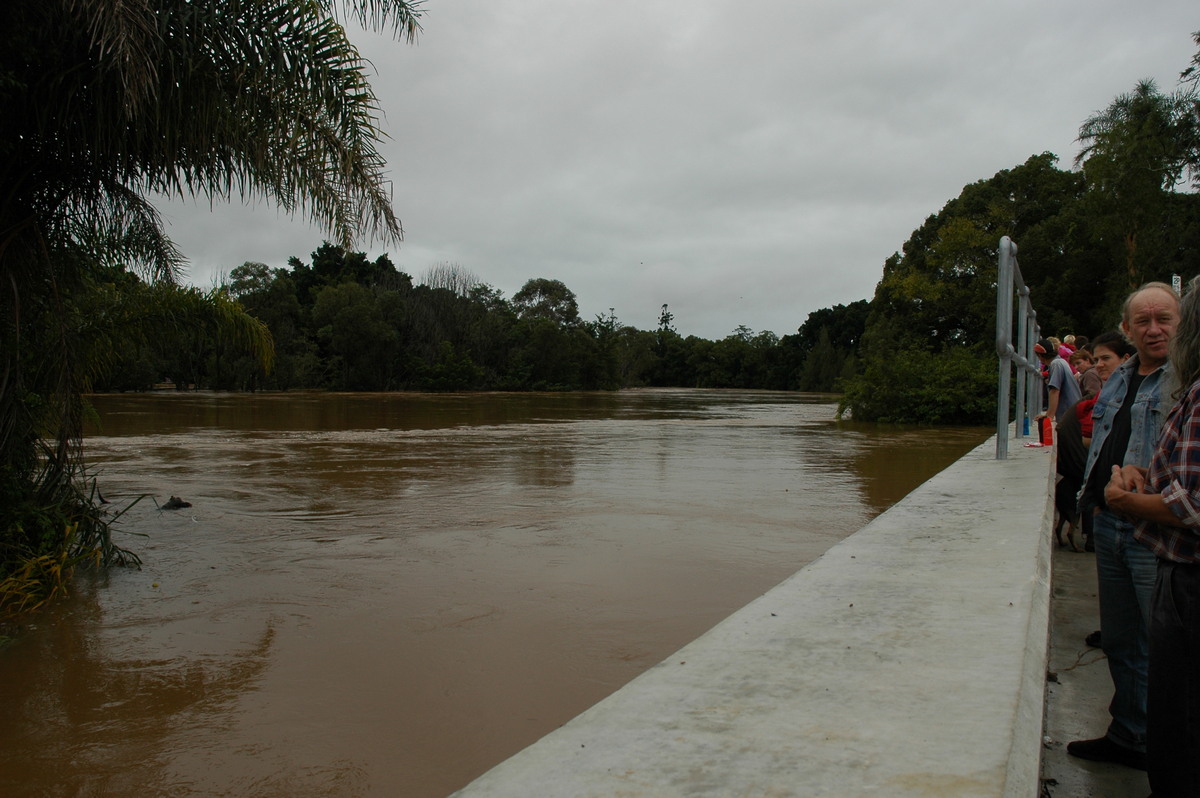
(403,17)
(125,35)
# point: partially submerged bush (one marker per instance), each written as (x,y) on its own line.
(50,524)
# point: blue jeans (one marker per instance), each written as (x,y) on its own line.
(1126,571)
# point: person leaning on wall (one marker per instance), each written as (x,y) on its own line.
(1061,384)
(1165,499)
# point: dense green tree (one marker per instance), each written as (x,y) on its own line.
(823,351)
(271,295)
(602,367)
(551,300)
(951,386)
(936,301)
(489,335)
(940,291)
(823,364)
(701,363)
(844,324)
(1134,155)
(635,356)
(451,370)
(670,365)
(138,333)
(359,346)
(333,264)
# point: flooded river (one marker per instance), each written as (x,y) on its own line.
(387,594)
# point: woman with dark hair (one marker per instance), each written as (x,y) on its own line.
(1165,501)
(1109,351)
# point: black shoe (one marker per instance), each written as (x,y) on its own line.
(1105,750)
(1093,639)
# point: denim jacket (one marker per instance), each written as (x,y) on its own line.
(1146,419)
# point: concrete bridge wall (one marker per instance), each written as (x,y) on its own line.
(909,660)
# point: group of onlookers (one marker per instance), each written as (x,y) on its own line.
(1094,363)
(1130,436)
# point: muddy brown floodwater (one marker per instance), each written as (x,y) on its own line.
(387,594)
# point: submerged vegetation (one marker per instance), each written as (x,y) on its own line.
(57,526)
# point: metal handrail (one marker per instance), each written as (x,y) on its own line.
(1029,373)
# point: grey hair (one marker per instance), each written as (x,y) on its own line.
(1145,287)
(1185,343)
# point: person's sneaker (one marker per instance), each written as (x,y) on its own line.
(1103,749)
(1093,639)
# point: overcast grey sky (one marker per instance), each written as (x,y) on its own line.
(744,163)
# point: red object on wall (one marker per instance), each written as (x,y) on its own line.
(1047,431)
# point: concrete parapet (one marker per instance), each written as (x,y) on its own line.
(909,660)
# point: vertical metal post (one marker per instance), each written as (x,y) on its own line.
(1004,348)
(1022,375)
(1018,352)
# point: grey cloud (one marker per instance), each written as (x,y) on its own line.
(745,163)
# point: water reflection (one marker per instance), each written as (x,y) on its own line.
(107,718)
(889,461)
(388,594)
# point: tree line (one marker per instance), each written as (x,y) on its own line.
(342,321)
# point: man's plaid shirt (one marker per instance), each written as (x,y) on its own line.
(1175,475)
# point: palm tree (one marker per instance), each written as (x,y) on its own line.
(1134,155)
(103,105)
